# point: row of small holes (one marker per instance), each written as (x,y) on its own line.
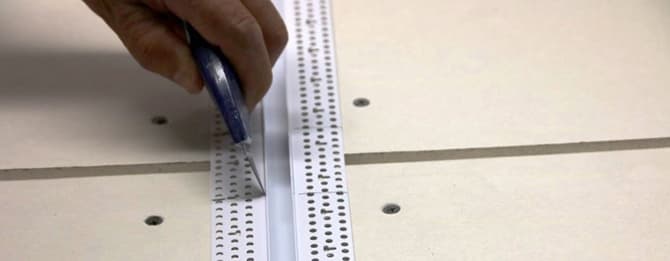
(323,162)
(234,236)
(324,116)
(233,176)
(233,188)
(327,211)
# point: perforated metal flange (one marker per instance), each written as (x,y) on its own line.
(320,200)
(317,160)
(239,229)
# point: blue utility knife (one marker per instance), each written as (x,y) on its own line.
(224,88)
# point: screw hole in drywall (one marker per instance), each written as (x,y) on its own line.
(159,120)
(361,102)
(153,220)
(391,209)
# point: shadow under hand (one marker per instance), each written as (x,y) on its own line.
(85,100)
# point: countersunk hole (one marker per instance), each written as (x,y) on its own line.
(159,120)
(361,102)
(153,220)
(391,208)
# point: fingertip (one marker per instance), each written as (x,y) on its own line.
(251,104)
(188,80)
(194,90)
(253,94)
(187,74)
(199,85)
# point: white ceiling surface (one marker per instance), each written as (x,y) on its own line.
(447,74)
(49,25)
(439,74)
(102,218)
(591,206)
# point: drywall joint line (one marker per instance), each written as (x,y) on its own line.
(351,159)
(103,170)
(507,151)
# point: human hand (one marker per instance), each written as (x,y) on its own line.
(251,33)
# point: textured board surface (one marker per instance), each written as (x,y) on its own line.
(462,74)
(439,75)
(102,218)
(53,26)
(70,95)
(604,206)
(601,206)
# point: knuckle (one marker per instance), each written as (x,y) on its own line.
(126,19)
(243,24)
(194,4)
(145,55)
(141,40)
(149,53)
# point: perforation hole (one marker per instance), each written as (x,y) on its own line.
(391,209)
(317,75)
(153,220)
(159,120)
